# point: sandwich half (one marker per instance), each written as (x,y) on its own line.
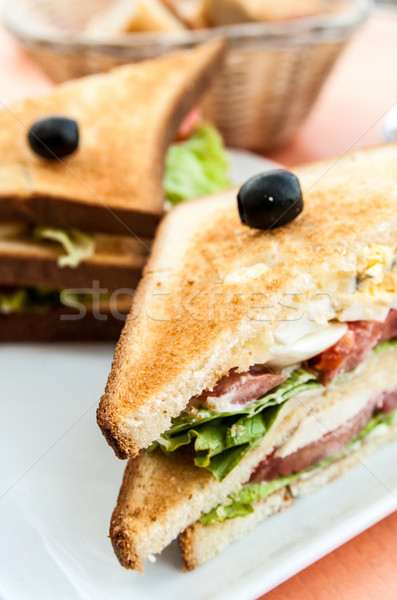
(113,182)
(251,358)
(86,221)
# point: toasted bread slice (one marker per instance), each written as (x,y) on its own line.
(163,495)
(198,311)
(228,12)
(61,323)
(126,16)
(117,262)
(190,12)
(199,543)
(114,182)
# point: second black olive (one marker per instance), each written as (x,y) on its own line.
(269,200)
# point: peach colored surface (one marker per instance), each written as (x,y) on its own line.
(355,99)
(349,114)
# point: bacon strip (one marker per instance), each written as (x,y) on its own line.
(387,402)
(354,347)
(326,447)
(246,387)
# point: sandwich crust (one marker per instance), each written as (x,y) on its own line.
(213,287)
(139,513)
(127,118)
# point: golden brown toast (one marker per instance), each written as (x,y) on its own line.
(127,118)
(214,290)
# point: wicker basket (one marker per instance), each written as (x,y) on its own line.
(271,77)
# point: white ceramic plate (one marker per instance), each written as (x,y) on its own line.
(59,481)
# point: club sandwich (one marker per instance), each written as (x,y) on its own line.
(255,364)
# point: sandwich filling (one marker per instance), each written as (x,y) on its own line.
(260,487)
(41,300)
(197,165)
(29,300)
(219,439)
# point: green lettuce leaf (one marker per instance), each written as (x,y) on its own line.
(240,504)
(226,511)
(38,300)
(197,166)
(379,419)
(28,300)
(221,440)
(12,302)
(78,245)
(385,346)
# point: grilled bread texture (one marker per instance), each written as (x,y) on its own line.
(214,291)
(127,118)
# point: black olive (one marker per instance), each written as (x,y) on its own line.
(54,137)
(269,200)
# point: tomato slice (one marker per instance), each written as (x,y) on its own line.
(189,125)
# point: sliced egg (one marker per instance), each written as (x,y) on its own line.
(365,312)
(291,331)
(284,355)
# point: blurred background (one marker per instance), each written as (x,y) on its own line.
(273,78)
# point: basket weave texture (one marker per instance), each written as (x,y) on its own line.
(270,80)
